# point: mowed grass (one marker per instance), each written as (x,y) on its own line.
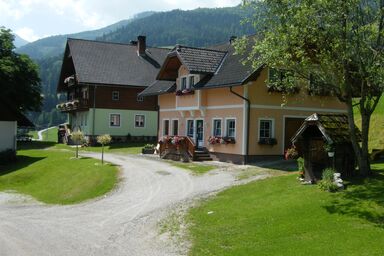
(376,131)
(55,177)
(278,216)
(116,148)
(195,168)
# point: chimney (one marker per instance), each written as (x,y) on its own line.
(141,45)
(232,39)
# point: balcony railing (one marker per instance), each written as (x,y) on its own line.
(74,105)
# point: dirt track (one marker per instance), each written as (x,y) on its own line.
(121,223)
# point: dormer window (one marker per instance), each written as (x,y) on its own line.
(191,82)
(183,83)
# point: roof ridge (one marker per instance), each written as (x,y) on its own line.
(198,48)
(115,43)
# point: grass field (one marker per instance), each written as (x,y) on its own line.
(278,216)
(195,168)
(55,177)
(116,148)
(376,138)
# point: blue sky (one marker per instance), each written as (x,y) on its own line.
(34,19)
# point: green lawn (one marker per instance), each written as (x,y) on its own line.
(34,134)
(278,216)
(55,177)
(117,148)
(195,168)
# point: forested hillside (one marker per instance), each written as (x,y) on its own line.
(200,27)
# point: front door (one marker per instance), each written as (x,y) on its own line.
(200,133)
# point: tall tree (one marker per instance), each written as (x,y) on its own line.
(19,77)
(337,43)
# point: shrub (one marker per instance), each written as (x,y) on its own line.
(7,156)
(149,146)
(327,183)
(103,140)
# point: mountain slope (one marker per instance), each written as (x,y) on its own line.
(199,27)
(54,45)
(19,41)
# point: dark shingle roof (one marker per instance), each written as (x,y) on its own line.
(115,64)
(231,72)
(159,87)
(200,60)
(334,128)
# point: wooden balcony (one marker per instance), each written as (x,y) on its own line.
(74,105)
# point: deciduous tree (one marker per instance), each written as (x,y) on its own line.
(338,43)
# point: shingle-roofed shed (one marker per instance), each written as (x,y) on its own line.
(311,138)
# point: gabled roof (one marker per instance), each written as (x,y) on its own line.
(8,113)
(159,87)
(333,127)
(224,66)
(199,60)
(97,62)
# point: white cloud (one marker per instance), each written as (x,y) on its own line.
(27,34)
(41,17)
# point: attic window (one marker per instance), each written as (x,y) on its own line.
(139,98)
(183,83)
(191,81)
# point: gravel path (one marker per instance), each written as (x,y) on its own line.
(123,222)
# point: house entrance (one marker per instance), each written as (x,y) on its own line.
(200,133)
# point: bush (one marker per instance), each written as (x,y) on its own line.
(149,146)
(328,174)
(7,156)
(300,164)
(327,183)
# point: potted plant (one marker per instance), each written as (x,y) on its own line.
(330,149)
(291,153)
(148,149)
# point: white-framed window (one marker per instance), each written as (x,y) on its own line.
(266,128)
(175,127)
(165,127)
(114,120)
(183,84)
(191,82)
(217,127)
(190,128)
(139,121)
(115,95)
(139,98)
(231,127)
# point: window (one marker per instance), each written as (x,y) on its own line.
(115,95)
(175,127)
(217,127)
(166,127)
(114,120)
(191,81)
(139,120)
(231,128)
(190,130)
(139,98)
(265,129)
(84,92)
(183,83)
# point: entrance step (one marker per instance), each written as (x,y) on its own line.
(202,155)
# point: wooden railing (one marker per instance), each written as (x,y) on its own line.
(185,142)
(77,104)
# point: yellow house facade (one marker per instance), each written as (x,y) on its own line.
(226,107)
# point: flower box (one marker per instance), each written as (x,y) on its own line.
(267,141)
(184,92)
(148,151)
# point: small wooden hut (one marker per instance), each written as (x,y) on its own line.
(317,131)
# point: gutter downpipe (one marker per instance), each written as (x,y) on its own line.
(248,123)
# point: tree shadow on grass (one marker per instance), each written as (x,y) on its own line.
(364,199)
(24,145)
(277,164)
(21,162)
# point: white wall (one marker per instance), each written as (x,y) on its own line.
(8,130)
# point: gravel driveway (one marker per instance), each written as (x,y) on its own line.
(123,222)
